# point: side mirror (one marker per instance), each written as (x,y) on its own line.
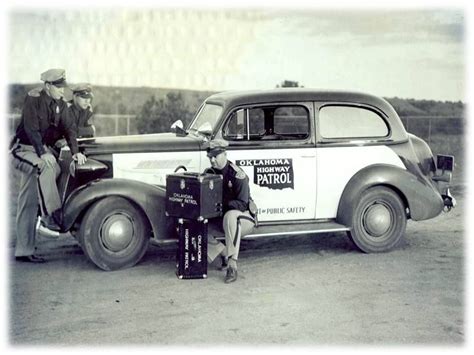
(177,127)
(177,123)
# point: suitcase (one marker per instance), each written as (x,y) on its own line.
(192,249)
(194,196)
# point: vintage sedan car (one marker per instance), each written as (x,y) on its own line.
(318,162)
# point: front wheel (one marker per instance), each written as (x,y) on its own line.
(114,234)
(379,220)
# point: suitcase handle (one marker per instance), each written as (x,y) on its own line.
(180,167)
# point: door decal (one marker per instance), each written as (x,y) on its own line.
(276,174)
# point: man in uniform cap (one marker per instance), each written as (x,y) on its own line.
(43,121)
(81,109)
(237,221)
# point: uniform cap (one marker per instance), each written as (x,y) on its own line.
(83,90)
(57,77)
(216,147)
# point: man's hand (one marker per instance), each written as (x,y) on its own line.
(60,143)
(49,159)
(80,158)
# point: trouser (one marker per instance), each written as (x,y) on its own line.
(235,224)
(37,185)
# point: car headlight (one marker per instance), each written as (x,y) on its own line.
(90,165)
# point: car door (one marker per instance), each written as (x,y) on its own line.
(350,137)
(273,144)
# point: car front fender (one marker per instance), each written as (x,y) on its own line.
(423,200)
(150,198)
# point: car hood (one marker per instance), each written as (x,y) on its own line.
(159,142)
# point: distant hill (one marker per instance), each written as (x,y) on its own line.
(113,100)
(129,100)
(412,107)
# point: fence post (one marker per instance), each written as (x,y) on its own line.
(429,130)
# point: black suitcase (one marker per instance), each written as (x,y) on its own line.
(192,249)
(194,196)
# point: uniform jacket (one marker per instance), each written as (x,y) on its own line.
(44,121)
(81,119)
(236,190)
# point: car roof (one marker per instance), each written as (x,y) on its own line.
(236,98)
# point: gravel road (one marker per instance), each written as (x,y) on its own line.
(304,290)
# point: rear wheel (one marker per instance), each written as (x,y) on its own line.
(379,220)
(114,234)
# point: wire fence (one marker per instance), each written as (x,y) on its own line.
(425,127)
(444,135)
(430,128)
(105,125)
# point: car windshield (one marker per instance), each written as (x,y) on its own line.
(206,119)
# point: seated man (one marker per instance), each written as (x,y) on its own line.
(81,110)
(80,113)
(237,221)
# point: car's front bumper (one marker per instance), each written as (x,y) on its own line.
(448,200)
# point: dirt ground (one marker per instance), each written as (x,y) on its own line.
(299,290)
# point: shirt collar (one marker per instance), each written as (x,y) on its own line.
(49,100)
(46,97)
(224,169)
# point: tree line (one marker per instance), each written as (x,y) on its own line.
(156,109)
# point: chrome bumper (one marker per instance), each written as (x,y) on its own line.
(448,200)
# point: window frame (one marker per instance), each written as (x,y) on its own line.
(352,140)
(307,106)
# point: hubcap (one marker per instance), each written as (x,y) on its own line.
(377,219)
(117,232)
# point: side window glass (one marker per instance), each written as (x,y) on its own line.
(268,123)
(291,122)
(256,123)
(236,127)
(350,122)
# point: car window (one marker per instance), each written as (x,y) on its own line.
(350,122)
(291,121)
(256,123)
(206,119)
(237,126)
(268,123)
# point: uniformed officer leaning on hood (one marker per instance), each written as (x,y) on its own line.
(237,221)
(81,109)
(44,120)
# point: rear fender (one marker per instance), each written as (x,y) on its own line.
(420,197)
(150,198)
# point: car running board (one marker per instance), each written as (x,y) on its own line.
(279,230)
(295,229)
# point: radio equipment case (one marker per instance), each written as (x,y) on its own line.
(194,196)
(192,249)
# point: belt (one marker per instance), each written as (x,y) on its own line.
(13,144)
(20,141)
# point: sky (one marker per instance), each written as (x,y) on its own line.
(388,51)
